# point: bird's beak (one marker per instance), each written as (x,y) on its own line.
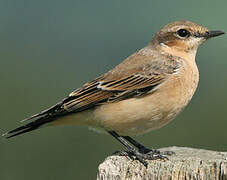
(210,34)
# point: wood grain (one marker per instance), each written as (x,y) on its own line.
(187,164)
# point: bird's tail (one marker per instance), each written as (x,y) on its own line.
(28,127)
(39,119)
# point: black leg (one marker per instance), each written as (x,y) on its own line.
(122,141)
(141,148)
(142,154)
(130,148)
(144,150)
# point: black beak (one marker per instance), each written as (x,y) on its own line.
(210,34)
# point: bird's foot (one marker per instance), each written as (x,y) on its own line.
(145,150)
(145,154)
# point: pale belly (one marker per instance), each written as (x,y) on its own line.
(136,121)
(138,115)
(130,117)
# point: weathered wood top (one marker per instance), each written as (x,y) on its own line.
(187,164)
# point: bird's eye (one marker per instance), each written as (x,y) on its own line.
(183,33)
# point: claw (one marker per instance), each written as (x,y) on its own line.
(168,153)
(142,157)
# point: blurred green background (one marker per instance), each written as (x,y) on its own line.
(49,48)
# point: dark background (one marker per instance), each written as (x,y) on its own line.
(49,48)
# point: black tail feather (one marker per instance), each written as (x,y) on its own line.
(40,119)
(45,112)
(21,132)
(29,126)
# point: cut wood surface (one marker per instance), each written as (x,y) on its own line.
(187,164)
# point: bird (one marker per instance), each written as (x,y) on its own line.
(143,93)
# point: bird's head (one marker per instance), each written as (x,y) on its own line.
(183,36)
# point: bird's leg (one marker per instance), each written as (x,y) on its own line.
(131,150)
(134,153)
(142,149)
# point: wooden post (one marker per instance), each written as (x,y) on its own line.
(187,164)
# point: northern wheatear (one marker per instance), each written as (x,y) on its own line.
(145,92)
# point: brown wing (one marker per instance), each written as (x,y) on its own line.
(101,91)
(135,76)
